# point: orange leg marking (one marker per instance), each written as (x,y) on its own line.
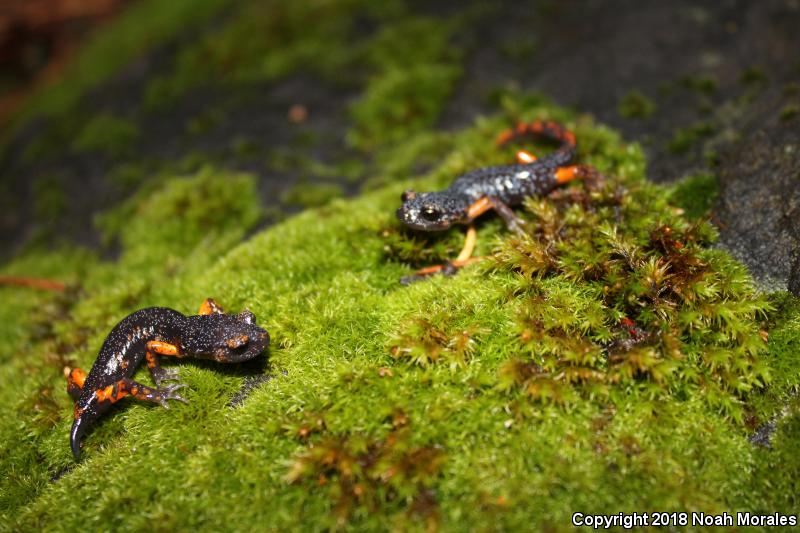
(76,376)
(525,157)
(427,271)
(163,348)
(75,379)
(469,245)
(464,257)
(479,208)
(128,387)
(567,174)
(210,307)
(112,393)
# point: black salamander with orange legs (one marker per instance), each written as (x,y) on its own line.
(497,187)
(144,336)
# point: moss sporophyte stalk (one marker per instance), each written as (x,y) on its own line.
(605,357)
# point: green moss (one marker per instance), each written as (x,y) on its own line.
(311,194)
(50,198)
(458,402)
(519,49)
(294,36)
(635,105)
(685,138)
(370,474)
(417,70)
(243,147)
(204,122)
(791,89)
(108,135)
(703,84)
(789,111)
(128,175)
(400,103)
(135,32)
(753,76)
(185,211)
(695,194)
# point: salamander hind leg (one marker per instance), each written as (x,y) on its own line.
(127,387)
(159,395)
(572,172)
(153,350)
(485,203)
(102,399)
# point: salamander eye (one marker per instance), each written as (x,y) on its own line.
(430,213)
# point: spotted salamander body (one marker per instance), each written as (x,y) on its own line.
(144,336)
(496,187)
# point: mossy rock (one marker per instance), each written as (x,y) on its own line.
(607,360)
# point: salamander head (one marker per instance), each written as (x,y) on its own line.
(433,211)
(225,338)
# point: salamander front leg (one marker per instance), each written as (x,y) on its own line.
(575,172)
(210,307)
(513,222)
(157,372)
(153,350)
(451,267)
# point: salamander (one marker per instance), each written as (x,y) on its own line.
(494,187)
(144,336)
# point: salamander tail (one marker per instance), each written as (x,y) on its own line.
(75,436)
(545,129)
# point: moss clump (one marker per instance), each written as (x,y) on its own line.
(135,32)
(307,36)
(51,200)
(372,474)
(519,48)
(416,71)
(310,195)
(685,138)
(789,112)
(696,194)
(704,84)
(429,340)
(401,102)
(185,211)
(108,135)
(791,89)
(608,303)
(635,105)
(753,76)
